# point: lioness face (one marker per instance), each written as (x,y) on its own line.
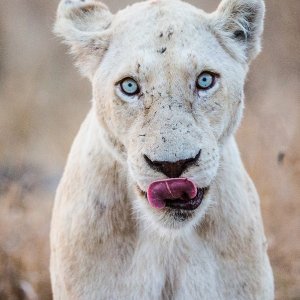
(168,94)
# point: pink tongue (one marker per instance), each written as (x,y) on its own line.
(174,188)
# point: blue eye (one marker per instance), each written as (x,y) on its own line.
(205,81)
(129,87)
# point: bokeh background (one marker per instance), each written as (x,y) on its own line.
(43,101)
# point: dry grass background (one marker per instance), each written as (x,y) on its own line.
(43,100)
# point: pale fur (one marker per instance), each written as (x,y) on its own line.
(106,240)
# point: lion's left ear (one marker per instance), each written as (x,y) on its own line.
(84,26)
(241,22)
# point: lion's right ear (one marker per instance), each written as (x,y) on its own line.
(84,26)
(239,23)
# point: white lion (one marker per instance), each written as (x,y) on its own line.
(155,202)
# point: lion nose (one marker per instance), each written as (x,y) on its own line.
(172,169)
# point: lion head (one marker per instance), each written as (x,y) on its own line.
(168,84)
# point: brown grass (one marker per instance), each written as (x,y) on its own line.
(43,101)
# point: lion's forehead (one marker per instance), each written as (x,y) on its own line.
(164,22)
(167,57)
(169,35)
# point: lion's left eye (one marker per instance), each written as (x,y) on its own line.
(129,87)
(205,81)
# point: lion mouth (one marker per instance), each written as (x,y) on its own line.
(175,193)
(191,204)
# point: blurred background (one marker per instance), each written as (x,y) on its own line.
(43,101)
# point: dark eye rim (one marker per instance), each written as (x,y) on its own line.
(214,76)
(126,93)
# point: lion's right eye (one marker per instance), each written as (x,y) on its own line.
(129,87)
(206,80)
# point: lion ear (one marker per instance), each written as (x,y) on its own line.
(84,26)
(241,21)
